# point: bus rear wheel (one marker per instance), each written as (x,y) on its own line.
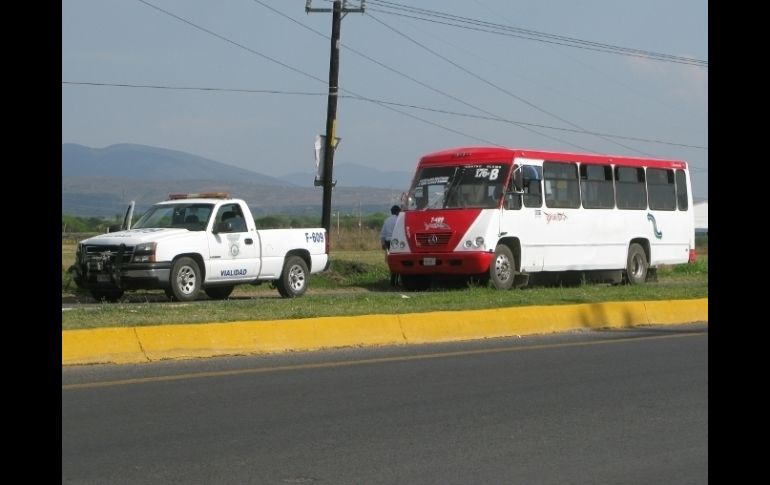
(503,268)
(636,265)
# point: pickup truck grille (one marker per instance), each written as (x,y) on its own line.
(108,252)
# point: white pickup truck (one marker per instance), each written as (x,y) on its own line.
(195,242)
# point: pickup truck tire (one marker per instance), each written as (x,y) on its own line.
(219,292)
(110,295)
(185,279)
(294,278)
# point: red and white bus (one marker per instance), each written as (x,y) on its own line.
(502,214)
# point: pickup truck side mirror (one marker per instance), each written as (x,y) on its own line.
(224,226)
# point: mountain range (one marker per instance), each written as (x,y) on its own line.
(99,182)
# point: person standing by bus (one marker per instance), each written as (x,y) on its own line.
(385,235)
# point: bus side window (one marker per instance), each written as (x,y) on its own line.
(526,180)
(512,201)
(533,195)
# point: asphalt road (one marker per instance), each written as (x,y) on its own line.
(622,406)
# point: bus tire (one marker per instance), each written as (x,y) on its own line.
(219,292)
(185,279)
(503,268)
(294,278)
(636,265)
(415,282)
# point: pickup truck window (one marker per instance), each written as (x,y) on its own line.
(232,213)
(192,217)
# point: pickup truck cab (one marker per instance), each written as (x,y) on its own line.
(198,242)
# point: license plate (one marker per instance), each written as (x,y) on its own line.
(102,278)
(429,261)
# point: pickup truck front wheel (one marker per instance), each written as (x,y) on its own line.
(294,278)
(185,279)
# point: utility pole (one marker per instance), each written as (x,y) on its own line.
(339,7)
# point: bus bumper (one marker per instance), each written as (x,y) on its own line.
(465,263)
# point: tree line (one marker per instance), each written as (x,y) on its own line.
(373,221)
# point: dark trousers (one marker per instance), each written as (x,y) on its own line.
(393,276)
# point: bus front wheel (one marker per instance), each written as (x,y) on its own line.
(503,268)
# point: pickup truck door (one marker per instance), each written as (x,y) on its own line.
(233,247)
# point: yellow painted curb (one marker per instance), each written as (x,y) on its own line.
(152,343)
(203,340)
(98,345)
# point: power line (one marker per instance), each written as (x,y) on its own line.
(487,118)
(197,88)
(505,91)
(308,75)
(425,85)
(381,102)
(538,36)
(229,41)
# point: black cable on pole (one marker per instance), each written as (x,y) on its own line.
(529,33)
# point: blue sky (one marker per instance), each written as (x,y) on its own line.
(452,86)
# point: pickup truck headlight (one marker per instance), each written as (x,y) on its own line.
(144,253)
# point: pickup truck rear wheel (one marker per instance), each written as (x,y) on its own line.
(185,279)
(294,278)
(219,292)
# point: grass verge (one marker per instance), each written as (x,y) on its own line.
(357,284)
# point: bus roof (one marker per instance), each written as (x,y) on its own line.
(461,155)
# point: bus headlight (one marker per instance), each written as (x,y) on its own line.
(477,243)
(144,253)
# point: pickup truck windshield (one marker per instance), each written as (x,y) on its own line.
(192,217)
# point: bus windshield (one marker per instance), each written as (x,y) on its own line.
(475,186)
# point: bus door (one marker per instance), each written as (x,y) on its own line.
(522,213)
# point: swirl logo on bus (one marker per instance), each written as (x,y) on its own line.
(658,234)
(436,223)
(557,217)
